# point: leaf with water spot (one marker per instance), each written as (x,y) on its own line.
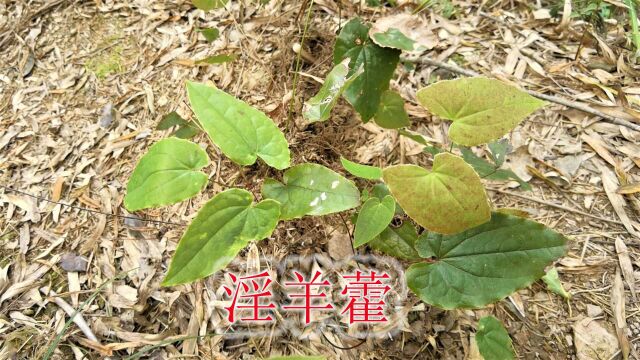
(311,189)
(319,107)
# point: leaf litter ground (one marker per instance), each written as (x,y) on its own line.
(84,84)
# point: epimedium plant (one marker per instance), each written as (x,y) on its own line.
(463,254)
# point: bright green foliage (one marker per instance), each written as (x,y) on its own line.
(481,109)
(311,189)
(380,190)
(483,264)
(393,38)
(391,113)
(186,129)
(493,340)
(490,171)
(552,280)
(373,218)
(168,173)
(397,242)
(242,132)
(319,107)
(360,170)
(211,34)
(379,65)
(448,199)
(217,59)
(224,225)
(207,5)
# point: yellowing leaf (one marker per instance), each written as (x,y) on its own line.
(448,199)
(481,109)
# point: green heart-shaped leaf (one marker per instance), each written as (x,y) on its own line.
(483,264)
(242,132)
(224,225)
(319,107)
(378,63)
(374,217)
(448,199)
(481,109)
(360,170)
(493,340)
(391,113)
(397,242)
(311,189)
(166,174)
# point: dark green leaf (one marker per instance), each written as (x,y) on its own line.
(311,189)
(483,264)
(242,132)
(211,34)
(397,242)
(378,63)
(224,225)
(489,171)
(499,150)
(373,218)
(170,120)
(360,170)
(168,173)
(493,340)
(393,38)
(391,113)
(186,129)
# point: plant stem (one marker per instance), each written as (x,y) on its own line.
(635,32)
(292,102)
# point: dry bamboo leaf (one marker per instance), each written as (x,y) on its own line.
(629,188)
(626,266)
(617,308)
(610,184)
(597,144)
(56,191)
